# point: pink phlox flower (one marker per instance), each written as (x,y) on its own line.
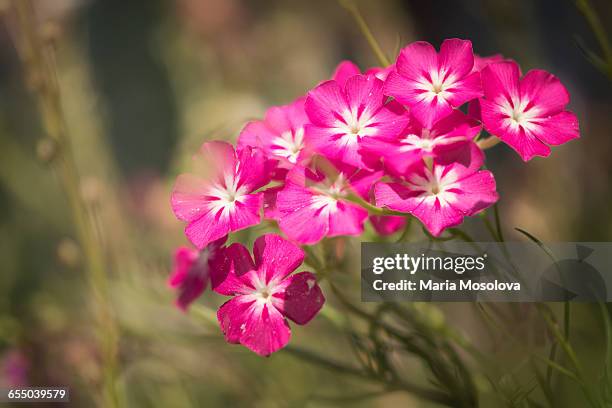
(431,83)
(280,135)
(192,270)
(341,116)
(450,138)
(527,113)
(265,294)
(221,197)
(439,197)
(315,203)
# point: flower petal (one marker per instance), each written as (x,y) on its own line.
(259,327)
(399,87)
(299,218)
(323,103)
(387,224)
(188,277)
(276,256)
(558,129)
(477,192)
(344,71)
(269,202)
(396,197)
(335,146)
(209,227)
(436,217)
(232,317)
(364,93)
(501,79)
(390,121)
(229,268)
(299,297)
(189,197)
(545,91)
(346,219)
(246,212)
(456,56)
(253,168)
(416,59)
(465,90)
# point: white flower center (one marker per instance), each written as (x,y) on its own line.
(327,199)
(289,144)
(436,85)
(226,194)
(414,142)
(353,126)
(435,185)
(263,291)
(518,114)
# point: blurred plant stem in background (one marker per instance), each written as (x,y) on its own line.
(37,56)
(365,29)
(604,62)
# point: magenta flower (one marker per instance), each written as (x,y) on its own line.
(529,113)
(441,197)
(433,84)
(387,224)
(341,116)
(192,270)
(265,294)
(280,135)
(313,205)
(224,199)
(451,136)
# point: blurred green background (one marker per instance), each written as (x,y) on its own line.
(144,83)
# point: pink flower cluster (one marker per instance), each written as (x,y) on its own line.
(392,139)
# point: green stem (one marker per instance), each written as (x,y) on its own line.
(421,392)
(500,231)
(569,351)
(488,143)
(365,30)
(600,32)
(372,209)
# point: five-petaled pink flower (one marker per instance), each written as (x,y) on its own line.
(529,113)
(451,136)
(223,200)
(280,135)
(433,84)
(441,196)
(265,294)
(313,204)
(192,271)
(341,116)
